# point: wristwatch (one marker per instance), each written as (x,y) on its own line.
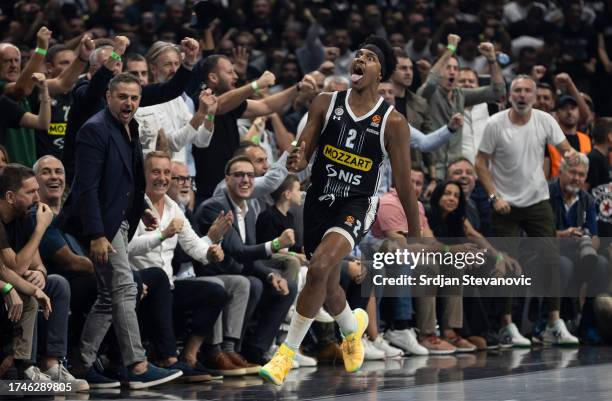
(494,197)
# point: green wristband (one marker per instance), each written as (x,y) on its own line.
(446,248)
(500,257)
(161,236)
(255,86)
(210,117)
(7,288)
(452,48)
(116,56)
(292,253)
(41,51)
(276,246)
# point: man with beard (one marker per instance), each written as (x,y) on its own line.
(354,131)
(103,210)
(219,75)
(18,194)
(509,165)
(568,116)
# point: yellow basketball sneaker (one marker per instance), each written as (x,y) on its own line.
(352,347)
(280,365)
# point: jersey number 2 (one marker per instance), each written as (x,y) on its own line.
(350,140)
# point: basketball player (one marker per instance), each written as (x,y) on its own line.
(353,132)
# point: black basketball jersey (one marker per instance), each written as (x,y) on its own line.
(51,142)
(350,150)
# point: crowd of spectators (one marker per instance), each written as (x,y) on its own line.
(144,184)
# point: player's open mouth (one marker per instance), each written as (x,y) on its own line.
(357,73)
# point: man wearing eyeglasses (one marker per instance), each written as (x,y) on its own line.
(181,188)
(269,292)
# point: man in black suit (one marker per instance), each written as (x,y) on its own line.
(103,210)
(270,293)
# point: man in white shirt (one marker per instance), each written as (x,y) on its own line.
(173,125)
(156,249)
(509,164)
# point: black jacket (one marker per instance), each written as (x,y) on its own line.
(240,257)
(109,184)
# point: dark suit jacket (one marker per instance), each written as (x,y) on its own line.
(240,257)
(108,177)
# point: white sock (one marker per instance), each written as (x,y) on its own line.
(297,331)
(346,320)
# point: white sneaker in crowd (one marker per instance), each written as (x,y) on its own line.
(58,373)
(511,331)
(389,350)
(558,334)
(371,352)
(405,340)
(34,374)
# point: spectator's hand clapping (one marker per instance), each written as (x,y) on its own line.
(208,102)
(487,50)
(43,37)
(266,80)
(175,227)
(215,253)
(455,122)
(220,226)
(190,48)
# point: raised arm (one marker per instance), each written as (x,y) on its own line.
(398,147)
(435,74)
(166,91)
(43,119)
(565,83)
(278,101)
(497,89)
(66,80)
(433,140)
(232,99)
(24,85)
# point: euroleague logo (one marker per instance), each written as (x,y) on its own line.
(375,121)
(349,221)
